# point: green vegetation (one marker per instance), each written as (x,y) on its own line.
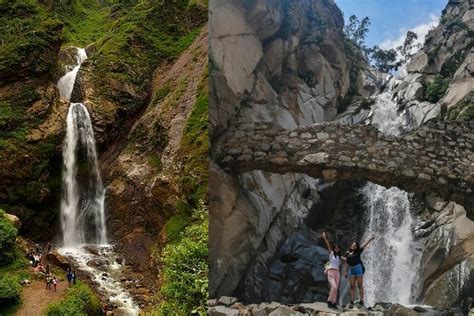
(13,267)
(149,30)
(183,260)
(452,64)
(10,289)
(8,234)
(29,37)
(184,267)
(436,89)
(463,112)
(79,300)
(194,148)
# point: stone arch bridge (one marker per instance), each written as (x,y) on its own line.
(437,158)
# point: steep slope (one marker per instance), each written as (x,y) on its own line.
(145,86)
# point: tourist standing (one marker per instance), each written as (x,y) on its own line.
(48,281)
(69,277)
(333,271)
(355,269)
(55,283)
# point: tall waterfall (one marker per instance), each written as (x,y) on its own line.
(82,203)
(391,261)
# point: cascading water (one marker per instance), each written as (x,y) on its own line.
(82,204)
(66,83)
(77,206)
(391,261)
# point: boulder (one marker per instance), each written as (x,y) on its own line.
(56,259)
(414,92)
(317,307)
(397,309)
(283,311)
(418,62)
(227,300)
(222,311)
(447,289)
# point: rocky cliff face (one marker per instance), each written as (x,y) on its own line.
(286,63)
(277,61)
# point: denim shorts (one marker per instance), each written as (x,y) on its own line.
(356,270)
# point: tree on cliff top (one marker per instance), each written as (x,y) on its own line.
(406,49)
(355,32)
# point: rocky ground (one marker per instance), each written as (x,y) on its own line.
(229,306)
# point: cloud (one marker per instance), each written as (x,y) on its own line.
(420,30)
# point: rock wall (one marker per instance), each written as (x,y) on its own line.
(279,61)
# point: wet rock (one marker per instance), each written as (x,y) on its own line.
(56,259)
(397,309)
(97,263)
(119,260)
(420,309)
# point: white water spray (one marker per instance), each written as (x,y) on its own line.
(66,83)
(77,206)
(392,260)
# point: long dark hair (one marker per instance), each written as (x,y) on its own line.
(338,254)
(355,250)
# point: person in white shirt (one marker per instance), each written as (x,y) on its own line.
(333,271)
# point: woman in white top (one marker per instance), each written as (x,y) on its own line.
(333,271)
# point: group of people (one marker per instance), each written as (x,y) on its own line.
(35,257)
(51,280)
(351,264)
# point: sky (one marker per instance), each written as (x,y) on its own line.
(391,19)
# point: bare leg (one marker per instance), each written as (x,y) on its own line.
(352,281)
(360,285)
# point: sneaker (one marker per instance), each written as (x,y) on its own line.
(361,304)
(351,304)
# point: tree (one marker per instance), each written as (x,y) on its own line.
(406,49)
(356,31)
(384,60)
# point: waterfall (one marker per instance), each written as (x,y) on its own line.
(392,260)
(82,203)
(66,83)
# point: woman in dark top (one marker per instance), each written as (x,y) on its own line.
(355,268)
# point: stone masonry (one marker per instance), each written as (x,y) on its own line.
(437,158)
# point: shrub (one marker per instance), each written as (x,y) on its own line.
(10,289)
(8,234)
(436,89)
(184,269)
(79,300)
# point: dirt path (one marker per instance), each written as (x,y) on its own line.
(35,298)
